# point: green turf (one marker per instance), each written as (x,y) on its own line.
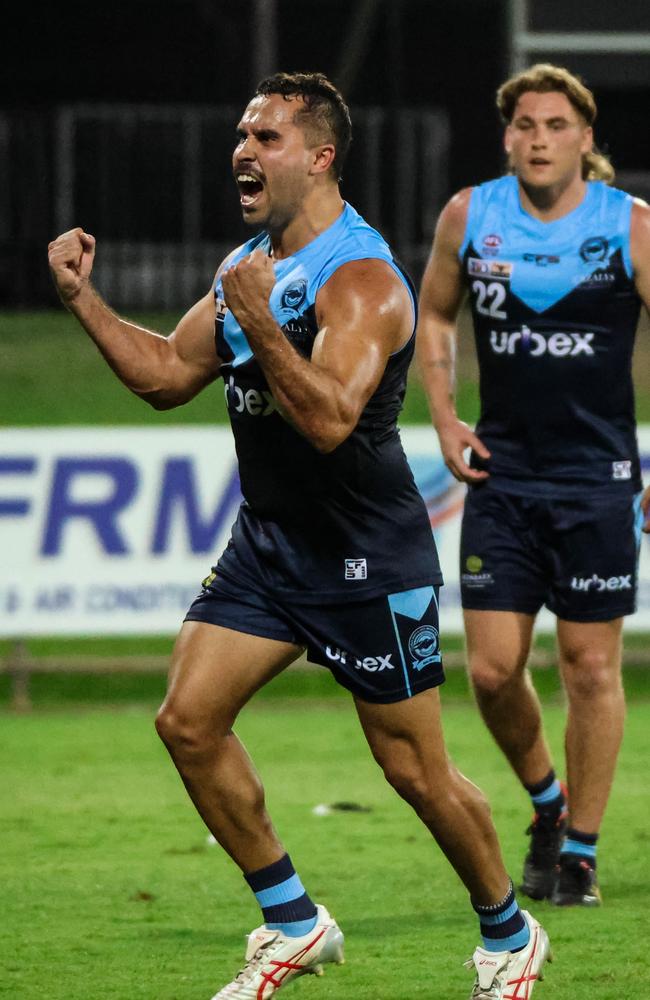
(162,644)
(111,891)
(81,389)
(128,686)
(131,685)
(109,887)
(52,374)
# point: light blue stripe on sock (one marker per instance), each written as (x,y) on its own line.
(577,847)
(284,892)
(296,928)
(492,919)
(518,940)
(553,792)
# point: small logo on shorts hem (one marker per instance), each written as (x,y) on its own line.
(599,583)
(356,569)
(369,663)
(477,580)
(622,470)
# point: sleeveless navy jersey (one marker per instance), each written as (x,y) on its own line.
(555,313)
(349,524)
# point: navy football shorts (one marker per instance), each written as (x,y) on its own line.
(385,649)
(577,557)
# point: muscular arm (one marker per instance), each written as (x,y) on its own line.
(164,371)
(640,251)
(363,313)
(440,299)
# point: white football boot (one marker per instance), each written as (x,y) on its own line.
(511,975)
(272,959)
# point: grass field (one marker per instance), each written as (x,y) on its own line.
(111,890)
(110,887)
(51,374)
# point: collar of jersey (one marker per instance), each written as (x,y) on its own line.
(565,220)
(315,245)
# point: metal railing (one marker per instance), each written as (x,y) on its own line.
(153,183)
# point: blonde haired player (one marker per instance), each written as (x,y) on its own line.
(556,264)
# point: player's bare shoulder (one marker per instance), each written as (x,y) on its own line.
(640,220)
(372,295)
(450,229)
(640,245)
(442,281)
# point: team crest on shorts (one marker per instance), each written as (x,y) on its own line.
(414,614)
(424,647)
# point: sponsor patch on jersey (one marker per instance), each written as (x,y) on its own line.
(489,268)
(220,307)
(598,279)
(622,470)
(492,244)
(541,259)
(535,343)
(356,569)
(255,402)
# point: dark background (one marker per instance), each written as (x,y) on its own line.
(411,54)
(415,52)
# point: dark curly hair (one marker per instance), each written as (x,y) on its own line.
(325,116)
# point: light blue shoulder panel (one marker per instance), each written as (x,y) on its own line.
(299,277)
(564,253)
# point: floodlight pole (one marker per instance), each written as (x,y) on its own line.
(264,39)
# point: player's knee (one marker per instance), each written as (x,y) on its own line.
(490,677)
(406,775)
(589,672)
(180,733)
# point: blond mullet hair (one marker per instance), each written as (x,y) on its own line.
(544,78)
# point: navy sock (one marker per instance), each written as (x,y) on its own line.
(503,927)
(580,845)
(285,904)
(547,796)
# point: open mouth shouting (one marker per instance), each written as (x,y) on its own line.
(250,188)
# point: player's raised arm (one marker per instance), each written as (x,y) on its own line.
(640,251)
(440,299)
(164,371)
(364,314)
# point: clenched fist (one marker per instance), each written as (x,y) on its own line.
(247,287)
(71,261)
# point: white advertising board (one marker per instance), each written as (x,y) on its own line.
(111,530)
